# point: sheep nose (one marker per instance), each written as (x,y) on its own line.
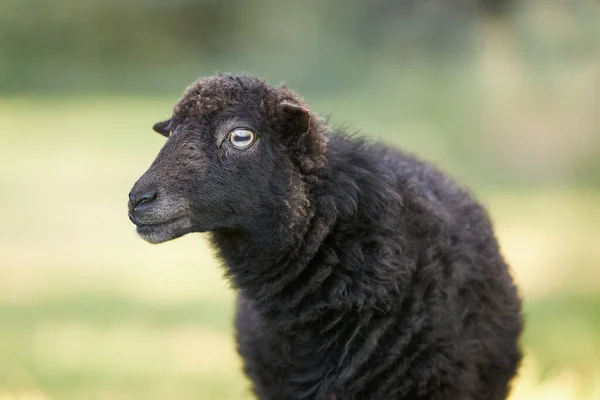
(136,200)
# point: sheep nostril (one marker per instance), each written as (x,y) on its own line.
(137,201)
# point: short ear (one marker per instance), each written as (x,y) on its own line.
(163,127)
(296,117)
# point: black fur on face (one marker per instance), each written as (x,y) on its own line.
(200,181)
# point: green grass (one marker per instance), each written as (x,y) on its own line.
(90,311)
(106,346)
(105,310)
(564,330)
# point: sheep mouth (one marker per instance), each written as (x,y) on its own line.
(158,232)
(140,224)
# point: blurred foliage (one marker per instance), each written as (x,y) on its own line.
(53,45)
(506,89)
(133,45)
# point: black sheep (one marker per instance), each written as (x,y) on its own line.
(362,272)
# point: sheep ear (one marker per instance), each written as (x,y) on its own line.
(163,127)
(295,116)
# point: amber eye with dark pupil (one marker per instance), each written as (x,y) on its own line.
(241,138)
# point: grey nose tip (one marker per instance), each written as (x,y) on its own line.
(136,200)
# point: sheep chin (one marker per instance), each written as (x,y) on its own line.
(164,232)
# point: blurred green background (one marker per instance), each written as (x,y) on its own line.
(505,95)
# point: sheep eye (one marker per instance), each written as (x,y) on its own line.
(241,138)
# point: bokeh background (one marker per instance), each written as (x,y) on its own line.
(505,95)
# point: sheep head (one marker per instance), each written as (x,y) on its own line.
(237,154)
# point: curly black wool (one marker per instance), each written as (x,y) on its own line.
(362,272)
